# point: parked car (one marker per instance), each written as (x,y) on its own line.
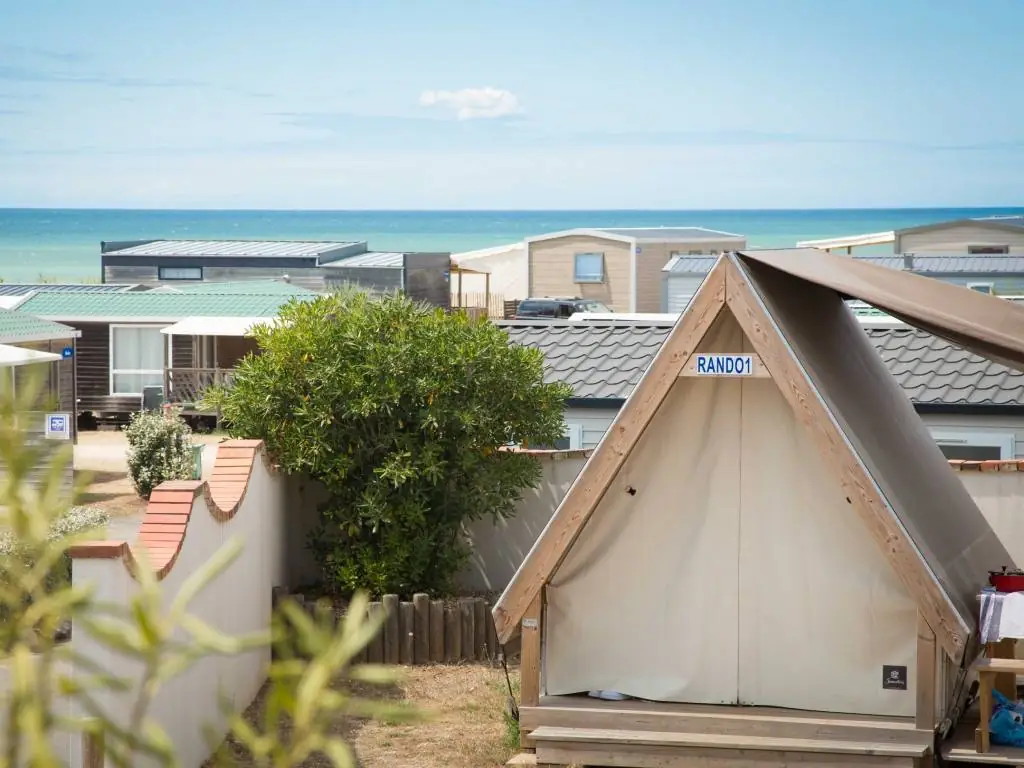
(556,308)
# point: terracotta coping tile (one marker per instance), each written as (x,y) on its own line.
(99,550)
(988,465)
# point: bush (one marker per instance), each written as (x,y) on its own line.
(400,410)
(159,449)
(77,520)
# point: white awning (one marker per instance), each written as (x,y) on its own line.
(12,356)
(214,326)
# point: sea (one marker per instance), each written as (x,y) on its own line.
(64,244)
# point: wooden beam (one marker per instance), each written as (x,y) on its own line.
(927,659)
(597,474)
(857,483)
(738,365)
(529,660)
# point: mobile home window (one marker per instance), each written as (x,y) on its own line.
(589,268)
(981,287)
(180,273)
(136,358)
(983,249)
(975,446)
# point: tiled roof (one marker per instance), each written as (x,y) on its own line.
(951,263)
(300,249)
(605,361)
(248,287)
(598,360)
(23,289)
(18,326)
(690,265)
(158,305)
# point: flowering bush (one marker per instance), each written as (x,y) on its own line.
(159,449)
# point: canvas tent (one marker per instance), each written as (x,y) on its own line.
(781,533)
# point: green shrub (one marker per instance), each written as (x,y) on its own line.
(400,411)
(159,449)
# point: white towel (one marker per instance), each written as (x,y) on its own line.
(1011,621)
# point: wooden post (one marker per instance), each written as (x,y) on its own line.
(529,664)
(421,624)
(375,650)
(468,630)
(92,750)
(452,635)
(480,620)
(407,632)
(926,661)
(492,635)
(487,292)
(390,630)
(437,631)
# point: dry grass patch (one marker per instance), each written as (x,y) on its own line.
(111,492)
(464,727)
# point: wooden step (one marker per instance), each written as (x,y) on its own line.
(609,747)
(738,721)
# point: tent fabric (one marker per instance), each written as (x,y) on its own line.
(889,438)
(214,326)
(13,356)
(986,325)
(700,568)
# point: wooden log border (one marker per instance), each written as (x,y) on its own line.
(426,631)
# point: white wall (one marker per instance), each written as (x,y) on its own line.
(237,603)
(499,548)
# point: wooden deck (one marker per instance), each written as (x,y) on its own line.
(959,748)
(579,730)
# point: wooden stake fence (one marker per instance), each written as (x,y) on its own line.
(427,631)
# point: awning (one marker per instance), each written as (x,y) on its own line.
(12,356)
(214,326)
(850,241)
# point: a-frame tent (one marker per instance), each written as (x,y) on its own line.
(776,531)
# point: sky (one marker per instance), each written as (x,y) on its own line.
(532,104)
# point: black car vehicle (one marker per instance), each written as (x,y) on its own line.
(556,308)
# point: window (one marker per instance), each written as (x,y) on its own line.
(695,253)
(136,358)
(981,287)
(974,446)
(180,273)
(571,441)
(983,249)
(589,268)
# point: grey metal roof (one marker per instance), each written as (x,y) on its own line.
(950,263)
(690,265)
(372,259)
(278,248)
(23,289)
(670,233)
(605,361)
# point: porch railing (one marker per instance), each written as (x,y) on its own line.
(184,387)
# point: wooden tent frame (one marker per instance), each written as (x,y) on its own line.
(727,286)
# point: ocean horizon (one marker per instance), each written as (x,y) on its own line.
(64,243)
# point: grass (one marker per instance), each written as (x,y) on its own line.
(465,725)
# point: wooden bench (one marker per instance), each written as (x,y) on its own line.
(999,674)
(592,746)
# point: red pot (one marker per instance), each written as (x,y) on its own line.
(1007,582)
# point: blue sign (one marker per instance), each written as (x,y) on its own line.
(725,365)
(67,353)
(58,426)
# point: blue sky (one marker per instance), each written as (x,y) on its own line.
(525,104)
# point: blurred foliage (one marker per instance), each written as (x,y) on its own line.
(145,642)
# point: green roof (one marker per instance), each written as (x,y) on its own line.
(18,326)
(155,306)
(251,287)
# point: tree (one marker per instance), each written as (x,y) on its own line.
(402,412)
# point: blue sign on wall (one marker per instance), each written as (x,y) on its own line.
(67,353)
(58,426)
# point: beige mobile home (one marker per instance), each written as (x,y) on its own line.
(620,267)
(993,235)
(767,562)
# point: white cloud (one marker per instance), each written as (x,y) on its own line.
(471,103)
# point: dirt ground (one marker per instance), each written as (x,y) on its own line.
(463,725)
(100,457)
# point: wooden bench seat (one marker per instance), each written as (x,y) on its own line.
(591,746)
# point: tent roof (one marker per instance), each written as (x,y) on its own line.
(13,356)
(213,326)
(790,305)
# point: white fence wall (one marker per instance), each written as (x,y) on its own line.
(242,499)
